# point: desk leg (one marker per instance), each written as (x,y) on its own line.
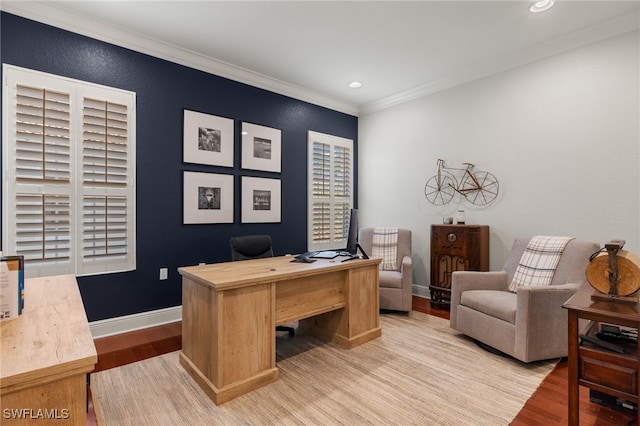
(228,338)
(574,386)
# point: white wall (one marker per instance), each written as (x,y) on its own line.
(561,135)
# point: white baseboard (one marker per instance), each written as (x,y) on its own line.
(421,290)
(124,324)
(127,323)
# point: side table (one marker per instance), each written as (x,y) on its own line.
(595,367)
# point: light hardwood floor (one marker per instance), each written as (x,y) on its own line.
(547,406)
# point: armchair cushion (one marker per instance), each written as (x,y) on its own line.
(498,304)
(391,279)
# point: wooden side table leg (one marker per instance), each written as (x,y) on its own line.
(573,368)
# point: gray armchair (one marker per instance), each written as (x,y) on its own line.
(395,286)
(529,325)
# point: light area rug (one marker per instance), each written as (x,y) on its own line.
(420,372)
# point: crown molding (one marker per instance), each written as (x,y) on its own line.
(614,27)
(41,12)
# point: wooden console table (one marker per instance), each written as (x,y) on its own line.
(46,354)
(595,367)
(230,312)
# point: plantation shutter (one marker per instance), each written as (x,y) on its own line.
(321,190)
(68,176)
(330,173)
(42,135)
(42,162)
(342,183)
(105,166)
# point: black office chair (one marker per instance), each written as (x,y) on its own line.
(255,247)
(251,247)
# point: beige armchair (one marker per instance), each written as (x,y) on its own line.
(395,286)
(529,325)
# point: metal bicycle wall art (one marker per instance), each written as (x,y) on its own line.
(477,187)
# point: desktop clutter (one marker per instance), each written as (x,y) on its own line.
(312,256)
(348,253)
(11,286)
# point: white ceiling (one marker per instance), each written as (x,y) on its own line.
(311,50)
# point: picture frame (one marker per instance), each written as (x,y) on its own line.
(207,198)
(261,200)
(261,148)
(207,139)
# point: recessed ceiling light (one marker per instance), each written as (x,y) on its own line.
(355,84)
(541,6)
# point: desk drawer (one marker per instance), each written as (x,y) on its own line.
(616,372)
(309,296)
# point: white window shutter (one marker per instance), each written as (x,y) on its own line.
(330,193)
(321,190)
(106,190)
(69,189)
(342,188)
(42,134)
(39,196)
(104,143)
(43,227)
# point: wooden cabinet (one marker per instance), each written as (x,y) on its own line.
(455,248)
(596,367)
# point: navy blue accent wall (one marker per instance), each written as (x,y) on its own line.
(163,89)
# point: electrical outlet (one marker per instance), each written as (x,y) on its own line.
(164,273)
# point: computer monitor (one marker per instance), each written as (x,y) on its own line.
(352,236)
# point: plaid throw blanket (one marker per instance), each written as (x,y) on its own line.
(384,244)
(539,260)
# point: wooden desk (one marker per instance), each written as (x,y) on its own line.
(595,367)
(230,312)
(46,354)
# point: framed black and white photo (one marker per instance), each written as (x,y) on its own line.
(207,139)
(261,200)
(261,148)
(207,198)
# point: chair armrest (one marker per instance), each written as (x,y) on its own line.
(473,280)
(541,318)
(543,297)
(406,269)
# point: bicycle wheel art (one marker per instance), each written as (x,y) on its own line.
(439,190)
(480,188)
